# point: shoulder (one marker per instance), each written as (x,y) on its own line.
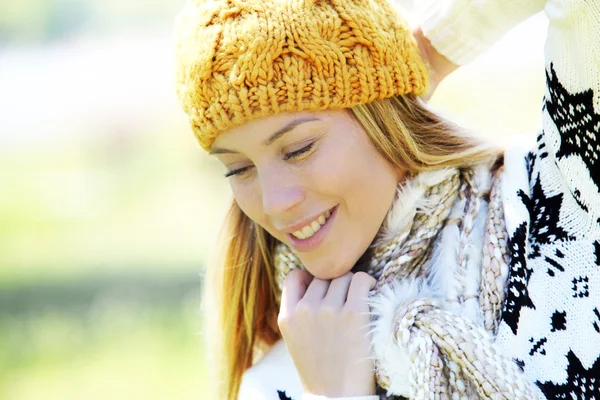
(274,373)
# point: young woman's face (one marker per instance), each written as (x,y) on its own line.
(314,181)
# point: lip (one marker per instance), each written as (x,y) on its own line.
(298,226)
(306,245)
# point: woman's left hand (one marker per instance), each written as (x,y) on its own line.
(325,327)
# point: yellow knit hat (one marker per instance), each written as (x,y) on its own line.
(238,60)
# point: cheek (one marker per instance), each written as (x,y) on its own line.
(330,173)
(354,175)
(247,196)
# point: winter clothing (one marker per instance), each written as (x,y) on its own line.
(436,289)
(433,334)
(239,60)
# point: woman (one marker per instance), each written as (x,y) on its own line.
(371,248)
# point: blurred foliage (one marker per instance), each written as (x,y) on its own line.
(105,231)
(111,339)
(36,21)
(103,203)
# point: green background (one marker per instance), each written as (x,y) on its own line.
(109,209)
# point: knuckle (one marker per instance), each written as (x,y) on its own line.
(327,312)
(284,322)
(303,310)
(349,313)
(355,316)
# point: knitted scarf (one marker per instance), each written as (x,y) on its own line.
(449,354)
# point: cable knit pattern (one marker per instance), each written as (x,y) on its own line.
(413,336)
(243,59)
(473,300)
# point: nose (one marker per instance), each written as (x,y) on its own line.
(281,192)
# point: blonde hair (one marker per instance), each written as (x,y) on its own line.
(240,287)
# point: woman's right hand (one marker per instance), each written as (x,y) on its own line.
(325,328)
(439,66)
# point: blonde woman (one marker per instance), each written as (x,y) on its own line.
(372,250)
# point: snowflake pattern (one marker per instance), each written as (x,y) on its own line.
(544,212)
(577,122)
(517,296)
(579,127)
(582,383)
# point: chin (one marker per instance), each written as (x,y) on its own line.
(326,271)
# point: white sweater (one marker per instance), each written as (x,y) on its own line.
(551,318)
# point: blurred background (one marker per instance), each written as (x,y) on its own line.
(109,208)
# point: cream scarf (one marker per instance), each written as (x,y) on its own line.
(441,264)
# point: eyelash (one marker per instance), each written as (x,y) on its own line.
(287,157)
(299,152)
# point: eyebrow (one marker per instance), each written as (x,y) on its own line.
(274,137)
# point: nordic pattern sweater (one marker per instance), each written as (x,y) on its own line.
(550,324)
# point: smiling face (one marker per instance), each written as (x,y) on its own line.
(314,181)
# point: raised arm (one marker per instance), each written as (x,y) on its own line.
(455,32)
(570,140)
(463,29)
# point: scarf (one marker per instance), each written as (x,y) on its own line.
(442,354)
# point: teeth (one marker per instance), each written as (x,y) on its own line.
(308,231)
(313,228)
(299,235)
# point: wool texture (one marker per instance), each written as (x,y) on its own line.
(438,261)
(238,60)
(493,289)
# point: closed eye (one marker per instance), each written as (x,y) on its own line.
(288,156)
(237,172)
(299,152)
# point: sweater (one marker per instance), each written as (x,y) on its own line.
(550,320)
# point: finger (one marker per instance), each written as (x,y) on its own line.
(338,291)
(358,291)
(316,291)
(294,287)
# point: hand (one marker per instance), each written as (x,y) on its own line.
(325,327)
(439,66)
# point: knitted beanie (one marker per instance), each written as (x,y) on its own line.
(238,60)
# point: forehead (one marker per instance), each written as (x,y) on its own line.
(261,129)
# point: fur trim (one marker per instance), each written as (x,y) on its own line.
(410,199)
(393,357)
(443,264)
(443,281)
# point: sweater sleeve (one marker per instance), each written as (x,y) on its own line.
(570,138)
(557,246)
(569,147)
(463,29)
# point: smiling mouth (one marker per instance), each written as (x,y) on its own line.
(312,228)
(311,236)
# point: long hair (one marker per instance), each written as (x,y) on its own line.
(240,289)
